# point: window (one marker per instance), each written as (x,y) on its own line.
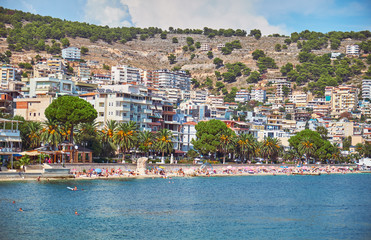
(34,114)
(101,104)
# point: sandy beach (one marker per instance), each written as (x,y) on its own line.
(196,171)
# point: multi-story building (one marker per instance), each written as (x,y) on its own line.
(169,79)
(341,99)
(215,100)
(188,132)
(71,53)
(366,88)
(199,96)
(32,109)
(259,95)
(352,50)
(242,96)
(52,85)
(101,79)
(49,66)
(300,99)
(7,73)
(126,103)
(83,71)
(125,75)
(205,47)
(10,140)
(281,84)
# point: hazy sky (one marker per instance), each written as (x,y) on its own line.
(270,16)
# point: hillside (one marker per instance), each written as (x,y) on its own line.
(152,53)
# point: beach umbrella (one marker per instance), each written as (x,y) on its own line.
(98,170)
(162,167)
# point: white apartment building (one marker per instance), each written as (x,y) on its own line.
(71,53)
(366,88)
(126,103)
(169,79)
(50,66)
(242,96)
(352,50)
(52,85)
(205,47)
(188,133)
(259,95)
(125,74)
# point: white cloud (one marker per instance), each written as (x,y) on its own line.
(197,14)
(29,7)
(107,12)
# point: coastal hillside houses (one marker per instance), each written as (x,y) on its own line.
(158,99)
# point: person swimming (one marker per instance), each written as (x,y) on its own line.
(20,210)
(76,213)
(13,202)
(75,188)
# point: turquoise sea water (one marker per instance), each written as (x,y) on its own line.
(251,207)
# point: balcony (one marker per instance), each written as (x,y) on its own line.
(146,120)
(149,111)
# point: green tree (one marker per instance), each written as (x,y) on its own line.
(189,41)
(198,45)
(256,33)
(210,54)
(84,50)
(277,47)
(175,40)
(247,145)
(171,58)
(257,54)
(163,35)
(322,131)
(254,77)
(33,137)
(164,142)
(270,148)
(306,147)
(126,136)
(65,42)
(24,161)
(226,141)
(218,62)
(51,134)
(70,111)
(147,140)
(208,139)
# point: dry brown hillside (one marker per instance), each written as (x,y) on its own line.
(152,54)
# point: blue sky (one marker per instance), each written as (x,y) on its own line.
(270,16)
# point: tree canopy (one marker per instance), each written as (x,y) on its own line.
(70,111)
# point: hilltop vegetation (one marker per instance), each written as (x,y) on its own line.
(245,59)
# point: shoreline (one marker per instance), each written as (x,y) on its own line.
(169,176)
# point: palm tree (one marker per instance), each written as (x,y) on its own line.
(247,145)
(164,141)
(33,129)
(50,133)
(23,161)
(109,130)
(125,136)
(336,154)
(307,148)
(270,148)
(226,142)
(146,140)
(360,148)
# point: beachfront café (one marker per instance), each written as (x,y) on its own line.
(67,152)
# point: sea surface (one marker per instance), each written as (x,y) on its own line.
(249,207)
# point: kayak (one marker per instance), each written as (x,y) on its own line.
(72,189)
